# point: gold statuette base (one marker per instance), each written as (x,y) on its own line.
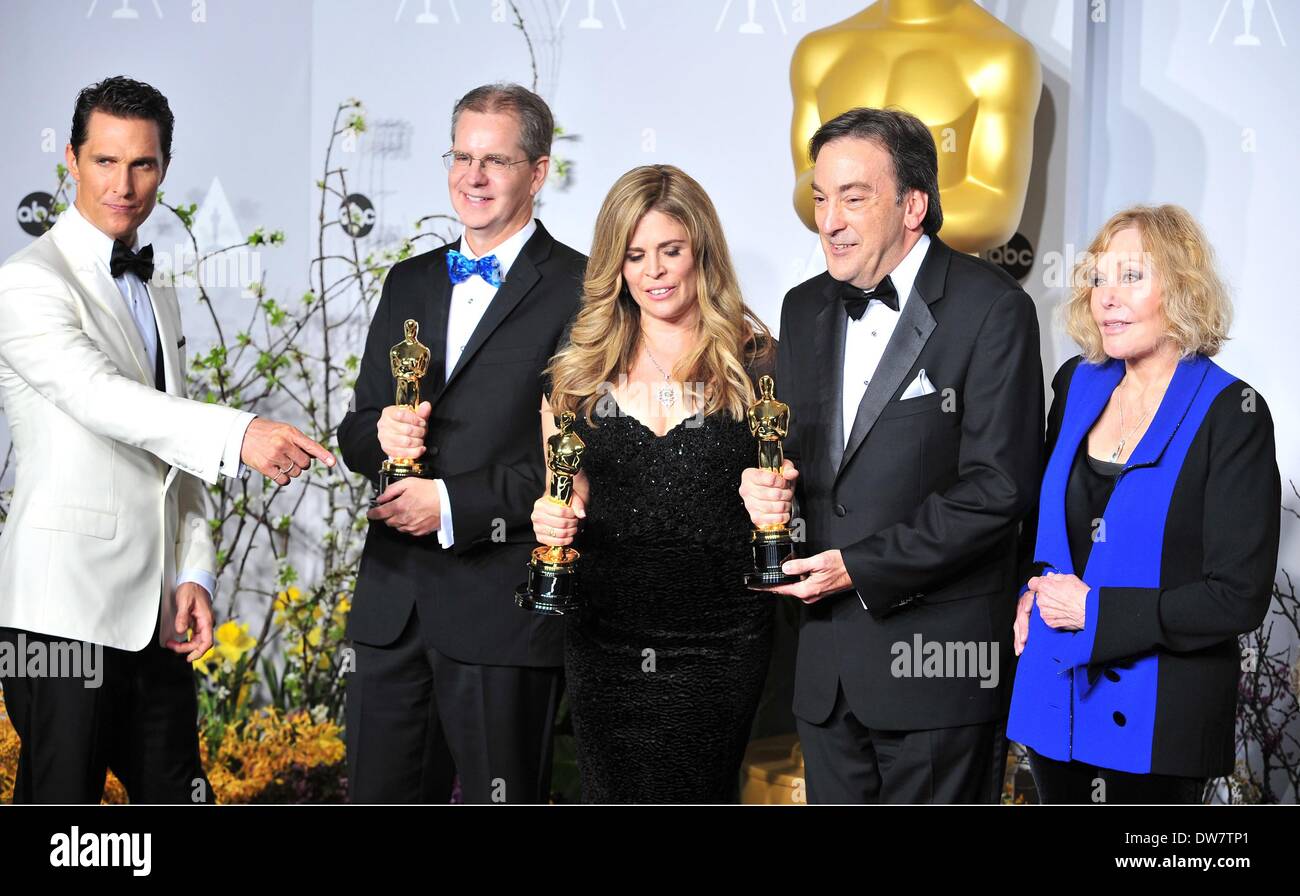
(551,589)
(771,548)
(394,469)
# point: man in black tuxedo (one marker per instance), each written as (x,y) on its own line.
(913,376)
(451,677)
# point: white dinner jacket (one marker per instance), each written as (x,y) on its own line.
(107,501)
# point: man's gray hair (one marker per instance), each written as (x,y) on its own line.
(536,124)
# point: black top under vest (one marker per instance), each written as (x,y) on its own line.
(1091,482)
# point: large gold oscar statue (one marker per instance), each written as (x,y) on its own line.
(970,78)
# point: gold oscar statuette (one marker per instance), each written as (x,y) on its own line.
(772,544)
(409,360)
(551,589)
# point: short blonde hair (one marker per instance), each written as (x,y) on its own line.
(1194,301)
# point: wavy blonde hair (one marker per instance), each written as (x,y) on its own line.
(606,332)
(1193,299)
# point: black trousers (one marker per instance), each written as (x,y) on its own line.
(847,762)
(416,718)
(135,713)
(1079,782)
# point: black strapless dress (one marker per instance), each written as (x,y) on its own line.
(665,665)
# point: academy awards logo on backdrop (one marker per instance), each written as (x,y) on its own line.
(357,216)
(36,213)
(1247,37)
(1016,256)
(125,11)
(220,256)
(591,21)
(215,225)
(428,16)
(750,25)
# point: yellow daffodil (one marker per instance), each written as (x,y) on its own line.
(233,640)
(288,598)
(202,663)
(310,644)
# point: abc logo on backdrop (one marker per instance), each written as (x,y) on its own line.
(356,215)
(1016,256)
(35,213)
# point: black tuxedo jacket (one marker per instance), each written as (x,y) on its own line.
(484,441)
(926,500)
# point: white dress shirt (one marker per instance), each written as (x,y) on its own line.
(866,338)
(138,301)
(469,299)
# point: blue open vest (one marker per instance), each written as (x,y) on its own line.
(1106,718)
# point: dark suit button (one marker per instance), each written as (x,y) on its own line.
(841,510)
(433,450)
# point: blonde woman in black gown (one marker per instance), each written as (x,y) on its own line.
(665,664)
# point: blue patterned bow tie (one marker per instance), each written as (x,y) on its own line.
(460,268)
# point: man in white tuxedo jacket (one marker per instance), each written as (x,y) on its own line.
(106,549)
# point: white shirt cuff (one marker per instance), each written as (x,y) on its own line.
(199,577)
(231,465)
(446,537)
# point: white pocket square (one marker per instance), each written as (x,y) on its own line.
(918,387)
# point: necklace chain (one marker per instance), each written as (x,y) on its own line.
(1123,439)
(666,394)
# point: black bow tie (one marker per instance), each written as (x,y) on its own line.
(856,300)
(123,260)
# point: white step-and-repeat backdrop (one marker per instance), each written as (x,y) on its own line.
(1153,101)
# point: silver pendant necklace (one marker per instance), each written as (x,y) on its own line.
(666,394)
(1123,439)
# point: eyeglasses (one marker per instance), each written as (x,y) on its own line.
(499,164)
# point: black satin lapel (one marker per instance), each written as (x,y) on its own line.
(830,328)
(909,337)
(437,313)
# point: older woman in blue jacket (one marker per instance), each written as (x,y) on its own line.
(1157,529)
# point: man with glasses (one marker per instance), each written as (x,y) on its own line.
(451,677)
